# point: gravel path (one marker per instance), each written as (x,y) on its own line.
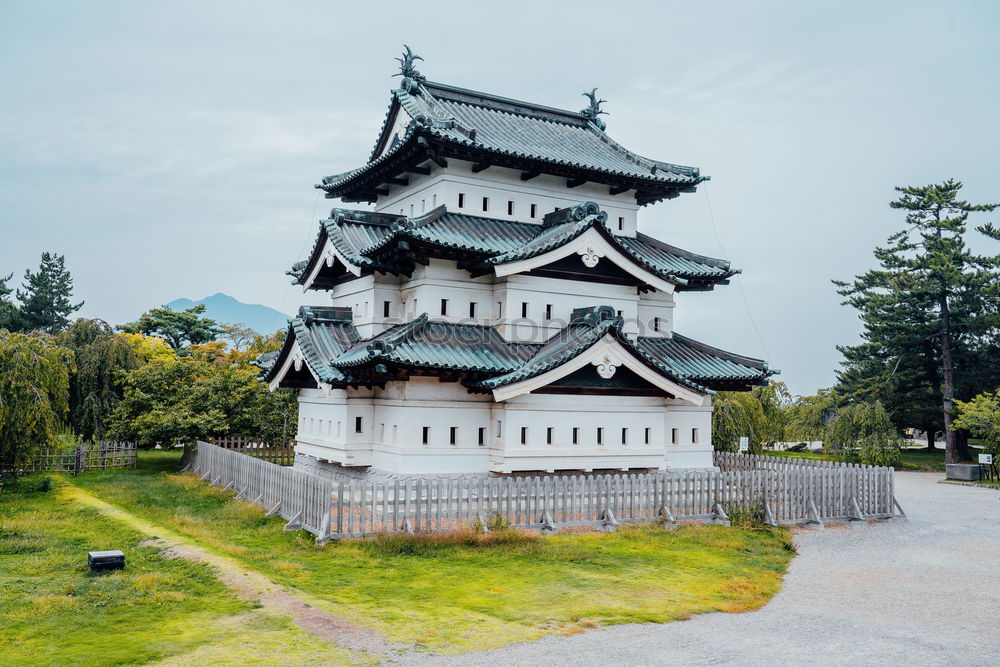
(922,592)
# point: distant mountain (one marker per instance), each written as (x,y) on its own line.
(226,310)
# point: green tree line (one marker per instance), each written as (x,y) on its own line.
(162,380)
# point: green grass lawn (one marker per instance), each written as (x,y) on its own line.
(910,459)
(454,595)
(54,611)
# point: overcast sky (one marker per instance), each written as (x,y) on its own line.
(170,149)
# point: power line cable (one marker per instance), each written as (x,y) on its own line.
(305,244)
(739,281)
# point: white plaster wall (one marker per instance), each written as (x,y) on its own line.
(690,450)
(393,419)
(441,279)
(500,186)
(653,305)
(564,296)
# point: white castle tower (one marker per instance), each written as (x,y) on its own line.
(498,311)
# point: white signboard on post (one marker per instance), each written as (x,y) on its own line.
(986,459)
(744,444)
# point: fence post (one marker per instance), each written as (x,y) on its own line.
(80,463)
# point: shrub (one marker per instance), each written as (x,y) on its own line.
(750,516)
(404,544)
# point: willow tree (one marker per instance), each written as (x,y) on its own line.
(34,395)
(102,359)
(930,300)
(758,415)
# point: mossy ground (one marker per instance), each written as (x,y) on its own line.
(446,595)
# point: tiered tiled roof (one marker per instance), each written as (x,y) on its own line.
(443,121)
(485,360)
(372,242)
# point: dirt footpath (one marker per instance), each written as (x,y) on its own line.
(922,592)
(305,611)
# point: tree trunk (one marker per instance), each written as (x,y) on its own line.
(962,445)
(948,384)
(930,431)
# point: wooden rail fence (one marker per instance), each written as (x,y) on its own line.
(282,453)
(784,493)
(94,455)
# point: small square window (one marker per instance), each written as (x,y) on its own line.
(548,311)
(656,324)
(534,210)
(486,203)
(624,436)
(461,200)
(548,435)
(472,309)
(621,223)
(674,436)
(524,309)
(510,208)
(499,428)
(524,435)
(482,436)
(358,425)
(444,306)
(576,435)
(427,435)
(385,309)
(600,435)
(649,436)
(621,313)
(499,309)
(453,435)
(694,436)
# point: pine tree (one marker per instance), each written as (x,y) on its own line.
(45,299)
(926,310)
(8,309)
(186,327)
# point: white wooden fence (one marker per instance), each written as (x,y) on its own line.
(304,500)
(783,490)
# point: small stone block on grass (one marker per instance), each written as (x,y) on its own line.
(105,560)
(968,472)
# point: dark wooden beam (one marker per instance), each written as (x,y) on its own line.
(528,175)
(431,154)
(423,171)
(397,180)
(381,192)
(437,159)
(575,182)
(618,189)
(480,166)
